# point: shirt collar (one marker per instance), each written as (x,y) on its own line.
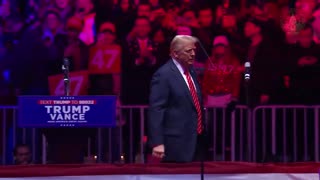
(179,66)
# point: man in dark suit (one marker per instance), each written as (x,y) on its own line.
(176,116)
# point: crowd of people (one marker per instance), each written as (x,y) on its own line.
(114,48)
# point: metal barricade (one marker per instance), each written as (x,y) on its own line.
(285,133)
(229,133)
(127,139)
(5,111)
(239,135)
(129,133)
(130,136)
(9,130)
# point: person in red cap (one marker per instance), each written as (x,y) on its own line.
(105,67)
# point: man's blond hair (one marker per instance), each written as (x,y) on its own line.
(178,42)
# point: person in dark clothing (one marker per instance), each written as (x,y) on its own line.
(139,62)
(304,69)
(266,76)
(266,71)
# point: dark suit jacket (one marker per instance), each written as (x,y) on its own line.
(172,115)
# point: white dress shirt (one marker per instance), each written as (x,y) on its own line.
(182,73)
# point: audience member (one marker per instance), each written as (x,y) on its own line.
(22,154)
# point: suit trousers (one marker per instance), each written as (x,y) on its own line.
(200,153)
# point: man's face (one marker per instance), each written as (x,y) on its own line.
(23,155)
(144,10)
(187,53)
(250,29)
(142,28)
(205,17)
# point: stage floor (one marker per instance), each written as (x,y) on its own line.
(213,170)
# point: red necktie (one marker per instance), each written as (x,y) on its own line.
(195,101)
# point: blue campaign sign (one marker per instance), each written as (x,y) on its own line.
(67,111)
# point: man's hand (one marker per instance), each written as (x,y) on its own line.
(158,151)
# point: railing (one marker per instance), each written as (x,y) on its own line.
(265,133)
(106,137)
(230,137)
(297,139)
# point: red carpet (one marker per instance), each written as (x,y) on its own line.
(192,168)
